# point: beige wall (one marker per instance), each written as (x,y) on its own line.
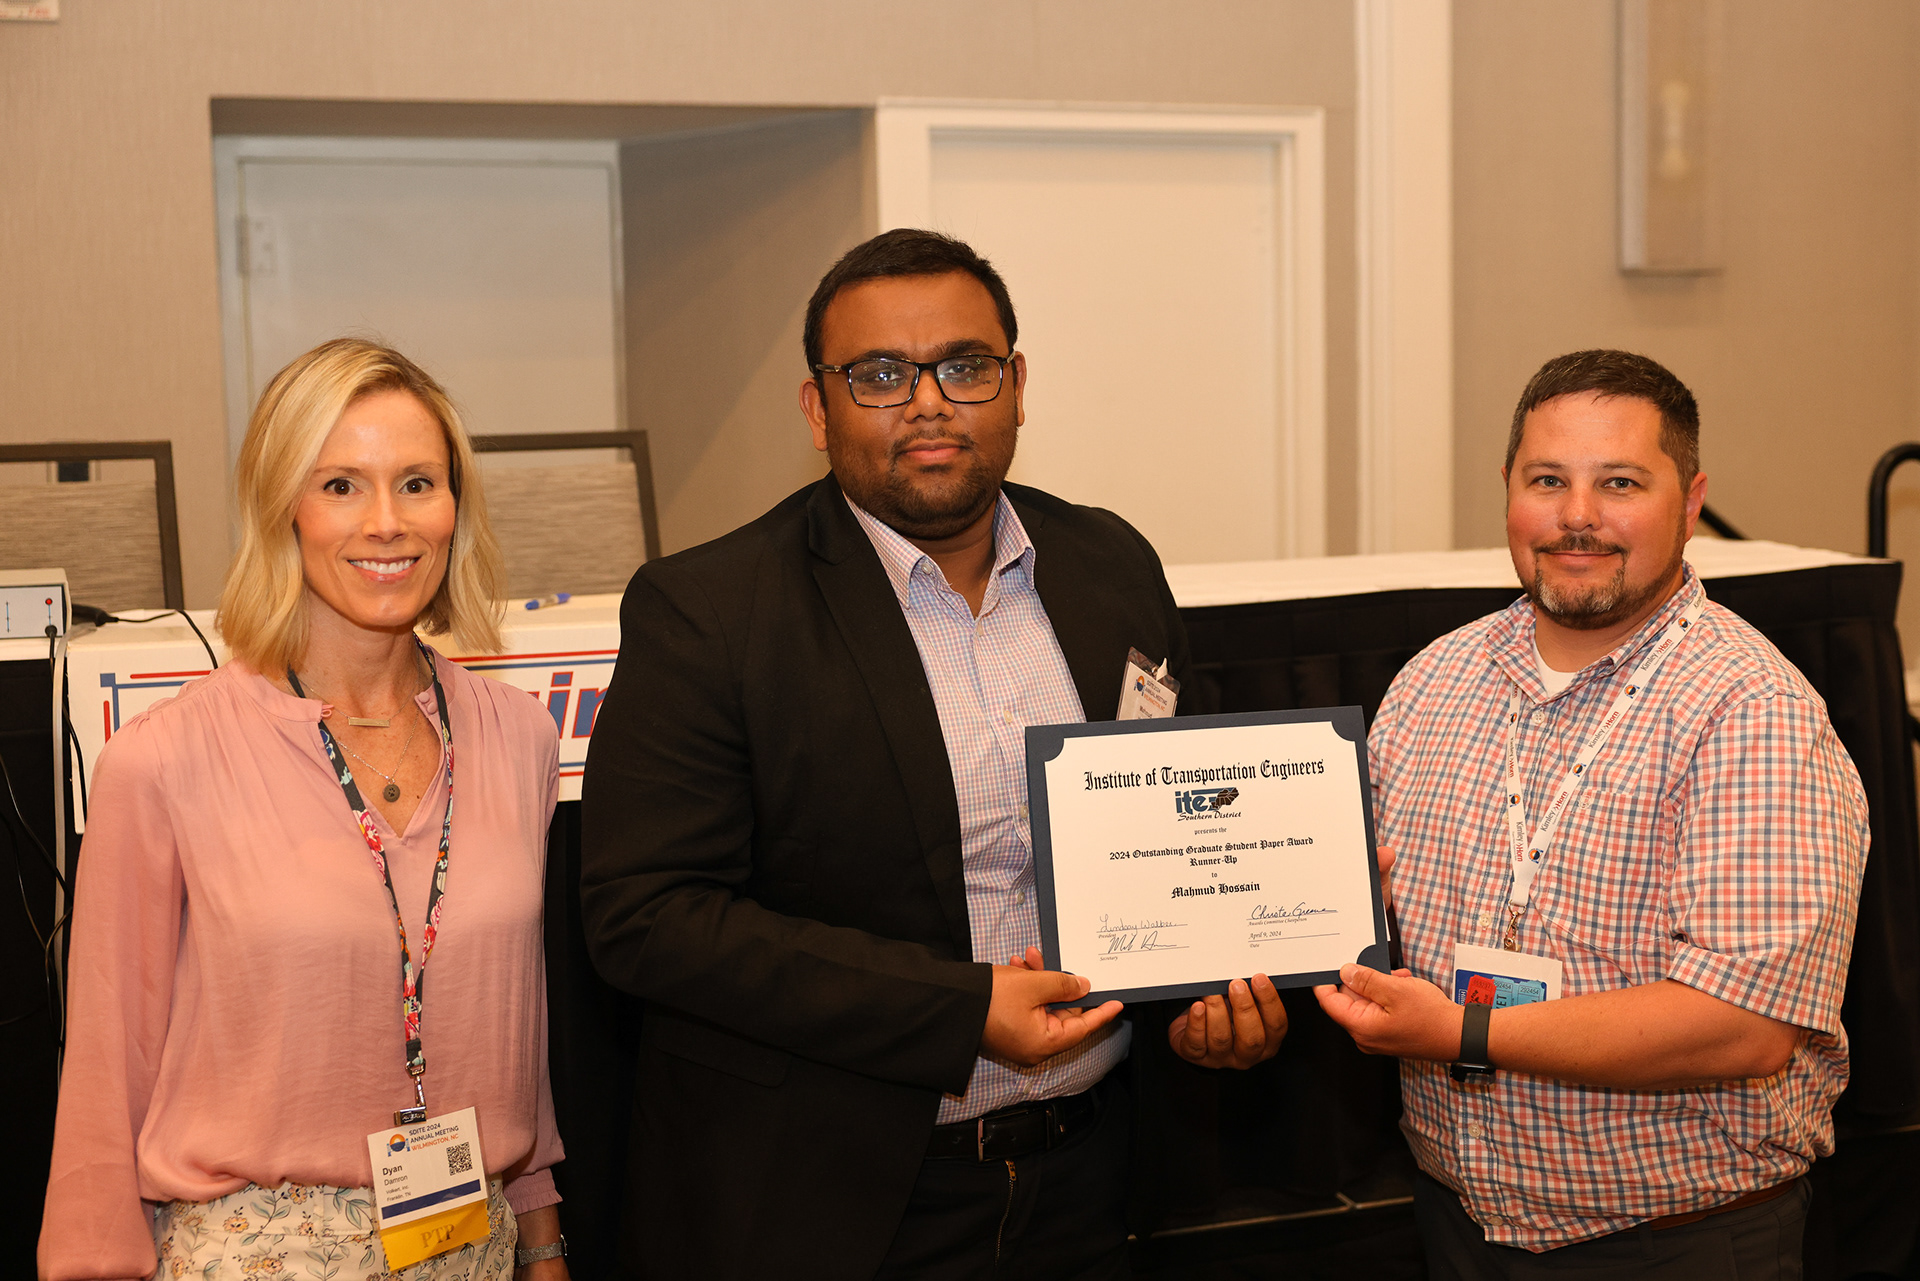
(107,248)
(1801,350)
(726,234)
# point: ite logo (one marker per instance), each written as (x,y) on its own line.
(398,1143)
(1204,800)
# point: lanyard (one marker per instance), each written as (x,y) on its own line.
(410,974)
(1526,856)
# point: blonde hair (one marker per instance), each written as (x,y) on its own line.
(263,615)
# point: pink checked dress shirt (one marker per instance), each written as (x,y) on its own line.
(236,976)
(993,676)
(1718,841)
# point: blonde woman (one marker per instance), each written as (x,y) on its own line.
(276,864)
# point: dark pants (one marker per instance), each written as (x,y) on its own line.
(1757,1243)
(1052,1216)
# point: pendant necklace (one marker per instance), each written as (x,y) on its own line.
(392,790)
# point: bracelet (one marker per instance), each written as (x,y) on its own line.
(1473,1044)
(535,1254)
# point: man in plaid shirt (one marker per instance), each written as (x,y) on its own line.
(1693,882)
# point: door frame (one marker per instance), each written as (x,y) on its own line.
(905,130)
(232,153)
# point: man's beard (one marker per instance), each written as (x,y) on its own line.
(930,511)
(1590,607)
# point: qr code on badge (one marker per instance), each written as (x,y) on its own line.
(460,1158)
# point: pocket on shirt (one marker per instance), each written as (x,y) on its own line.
(1606,893)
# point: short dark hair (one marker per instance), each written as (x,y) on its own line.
(1619,373)
(904,251)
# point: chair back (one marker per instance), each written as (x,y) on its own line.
(118,540)
(571,527)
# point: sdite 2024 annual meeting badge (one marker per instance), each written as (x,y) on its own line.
(430,1183)
(1174,856)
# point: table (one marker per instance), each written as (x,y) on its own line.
(1317,1121)
(562,655)
(1308,1132)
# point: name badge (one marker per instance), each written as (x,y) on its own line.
(430,1184)
(1496,977)
(1146,693)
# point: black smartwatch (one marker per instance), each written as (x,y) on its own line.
(1473,1044)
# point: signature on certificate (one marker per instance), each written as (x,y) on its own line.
(1145,935)
(1287,921)
(1261,912)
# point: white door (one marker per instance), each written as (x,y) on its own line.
(496,265)
(1165,269)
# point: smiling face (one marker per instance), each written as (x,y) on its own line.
(1597,519)
(375,517)
(930,469)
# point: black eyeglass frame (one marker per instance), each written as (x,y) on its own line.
(923,367)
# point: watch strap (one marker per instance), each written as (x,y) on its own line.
(535,1254)
(1473,1043)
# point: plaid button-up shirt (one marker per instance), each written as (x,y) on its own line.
(993,676)
(1718,841)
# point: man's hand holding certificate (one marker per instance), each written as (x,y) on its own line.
(1175,856)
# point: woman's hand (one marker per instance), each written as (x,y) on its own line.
(537,1228)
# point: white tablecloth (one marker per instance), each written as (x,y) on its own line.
(1247,582)
(561,655)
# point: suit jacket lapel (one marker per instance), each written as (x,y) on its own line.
(1094,649)
(868,616)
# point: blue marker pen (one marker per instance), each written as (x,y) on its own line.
(557,598)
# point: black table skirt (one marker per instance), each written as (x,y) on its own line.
(1316,1119)
(27,1025)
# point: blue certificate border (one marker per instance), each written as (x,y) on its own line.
(1044,742)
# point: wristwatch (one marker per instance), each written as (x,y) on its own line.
(534,1254)
(1473,1044)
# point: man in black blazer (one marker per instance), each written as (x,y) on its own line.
(805,831)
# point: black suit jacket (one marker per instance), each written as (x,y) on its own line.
(771,857)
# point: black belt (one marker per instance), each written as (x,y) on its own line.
(1017,1131)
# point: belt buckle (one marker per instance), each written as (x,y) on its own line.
(980,1137)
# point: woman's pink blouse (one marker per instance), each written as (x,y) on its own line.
(236,972)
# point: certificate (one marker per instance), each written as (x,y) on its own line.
(1173,856)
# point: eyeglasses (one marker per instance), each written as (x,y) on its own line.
(884,382)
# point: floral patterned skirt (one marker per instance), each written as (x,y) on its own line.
(302,1232)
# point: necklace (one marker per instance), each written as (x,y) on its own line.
(371,722)
(392,790)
